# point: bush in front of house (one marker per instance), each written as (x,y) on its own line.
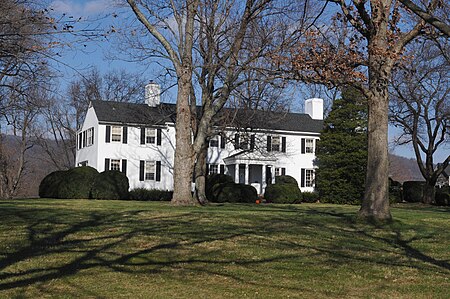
(231,192)
(144,194)
(442,196)
(214,182)
(50,184)
(77,182)
(413,191)
(395,191)
(285,179)
(310,197)
(110,184)
(283,193)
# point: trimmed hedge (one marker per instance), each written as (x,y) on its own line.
(110,184)
(283,193)
(285,179)
(77,182)
(395,191)
(310,197)
(221,188)
(144,194)
(50,184)
(442,196)
(413,191)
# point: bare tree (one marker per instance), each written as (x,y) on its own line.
(364,55)
(208,39)
(421,108)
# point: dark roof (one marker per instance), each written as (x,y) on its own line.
(142,114)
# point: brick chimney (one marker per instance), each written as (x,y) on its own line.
(314,107)
(152,94)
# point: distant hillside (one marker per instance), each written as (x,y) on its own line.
(403,169)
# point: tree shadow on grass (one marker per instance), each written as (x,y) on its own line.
(81,240)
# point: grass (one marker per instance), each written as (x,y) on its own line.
(119,249)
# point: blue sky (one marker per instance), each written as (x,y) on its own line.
(78,58)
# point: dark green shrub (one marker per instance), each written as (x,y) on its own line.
(213,181)
(77,182)
(248,193)
(413,191)
(150,194)
(232,192)
(283,193)
(310,197)
(395,191)
(110,184)
(442,196)
(50,184)
(285,179)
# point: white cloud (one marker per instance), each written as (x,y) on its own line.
(81,8)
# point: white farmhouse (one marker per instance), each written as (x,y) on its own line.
(139,140)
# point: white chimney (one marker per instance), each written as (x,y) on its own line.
(152,94)
(314,107)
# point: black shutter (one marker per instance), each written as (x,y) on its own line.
(158,137)
(108,134)
(106,164)
(80,142)
(84,138)
(124,166)
(141,170)
(222,141)
(222,169)
(236,141)
(252,142)
(283,171)
(158,171)
(303,145)
(269,143)
(125,134)
(302,178)
(142,135)
(207,169)
(283,144)
(93,134)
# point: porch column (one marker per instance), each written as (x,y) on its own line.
(236,173)
(272,172)
(263,175)
(247,177)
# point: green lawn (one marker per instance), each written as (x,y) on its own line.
(119,249)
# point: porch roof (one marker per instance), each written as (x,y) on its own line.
(246,157)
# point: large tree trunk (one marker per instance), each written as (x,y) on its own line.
(200,176)
(184,157)
(375,205)
(429,192)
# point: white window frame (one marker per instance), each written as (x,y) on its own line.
(309,177)
(150,171)
(114,164)
(116,133)
(214,141)
(90,137)
(150,135)
(213,168)
(276,145)
(309,146)
(277,171)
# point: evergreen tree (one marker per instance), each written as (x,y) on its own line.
(342,150)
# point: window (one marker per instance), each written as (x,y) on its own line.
(115,164)
(214,141)
(309,146)
(116,133)
(309,178)
(276,143)
(90,137)
(213,168)
(84,163)
(150,170)
(150,135)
